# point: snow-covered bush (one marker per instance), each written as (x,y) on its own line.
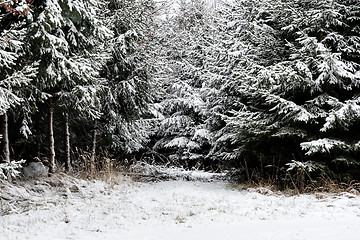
(10,169)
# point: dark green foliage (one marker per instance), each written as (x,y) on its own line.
(301,105)
(261,86)
(128,73)
(181,134)
(89,69)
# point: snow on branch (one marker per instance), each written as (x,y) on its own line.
(182,142)
(345,116)
(201,134)
(290,109)
(324,145)
(10,169)
(7,100)
(357,146)
(308,166)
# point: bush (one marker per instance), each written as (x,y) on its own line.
(10,169)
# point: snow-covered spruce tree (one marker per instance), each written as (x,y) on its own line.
(305,105)
(241,46)
(62,36)
(88,34)
(182,136)
(128,75)
(329,50)
(13,76)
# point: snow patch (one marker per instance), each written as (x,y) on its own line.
(77,209)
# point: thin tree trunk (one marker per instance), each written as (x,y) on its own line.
(93,150)
(51,137)
(5,137)
(67,144)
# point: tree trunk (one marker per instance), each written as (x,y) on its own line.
(67,144)
(5,137)
(93,150)
(51,138)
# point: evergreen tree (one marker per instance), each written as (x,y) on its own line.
(182,135)
(14,77)
(63,36)
(242,46)
(303,105)
(128,73)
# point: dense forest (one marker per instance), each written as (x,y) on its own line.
(263,89)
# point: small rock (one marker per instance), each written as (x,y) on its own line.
(34,170)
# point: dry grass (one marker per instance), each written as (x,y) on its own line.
(327,185)
(294,183)
(102,168)
(319,187)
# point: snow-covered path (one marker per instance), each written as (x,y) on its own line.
(181,210)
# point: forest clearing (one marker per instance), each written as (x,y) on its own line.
(180,119)
(63,207)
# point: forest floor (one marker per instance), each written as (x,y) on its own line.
(197,206)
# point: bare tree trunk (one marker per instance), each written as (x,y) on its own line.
(51,137)
(5,137)
(93,150)
(67,144)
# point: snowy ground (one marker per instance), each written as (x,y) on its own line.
(78,209)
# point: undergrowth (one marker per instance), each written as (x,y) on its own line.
(289,182)
(293,183)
